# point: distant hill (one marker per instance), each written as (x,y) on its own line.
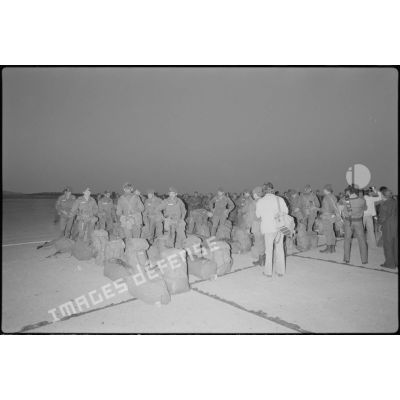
(7,193)
(15,195)
(42,195)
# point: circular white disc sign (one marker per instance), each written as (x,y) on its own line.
(359,175)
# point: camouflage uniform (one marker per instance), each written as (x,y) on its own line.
(221,206)
(129,209)
(152,217)
(85,211)
(308,205)
(64,207)
(174,223)
(106,211)
(194,218)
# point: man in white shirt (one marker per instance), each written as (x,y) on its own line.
(369,215)
(267,208)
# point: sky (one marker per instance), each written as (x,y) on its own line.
(197,128)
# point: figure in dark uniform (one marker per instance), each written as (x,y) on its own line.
(388,220)
(353,225)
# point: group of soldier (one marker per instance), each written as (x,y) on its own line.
(132,215)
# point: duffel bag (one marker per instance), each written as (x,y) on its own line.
(82,251)
(173,268)
(114,270)
(202,268)
(243,238)
(114,249)
(149,289)
(147,285)
(220,253)
(64,244)
(135,252)
(99,241)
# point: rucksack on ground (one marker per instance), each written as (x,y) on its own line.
(82,251)
(99,242)
(220,253)
(175,270)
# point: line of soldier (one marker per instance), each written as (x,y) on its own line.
(178,215)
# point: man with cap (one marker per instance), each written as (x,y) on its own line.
(309,205)
(195,203)
(129,211)
(106,211)
(221,205)
(85,209)
(388,219)
(353,212)
(152,217)
(63,207)
(329,214)
(255,227)
(174,218)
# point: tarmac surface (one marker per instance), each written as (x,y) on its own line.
(318,294)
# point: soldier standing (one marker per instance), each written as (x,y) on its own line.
(330,214)
(85,208)
(195,203)
(129,210)
(174,218)
(353,212)
(388,214)
(221,205)
(106,211)
(152,217)
(309,205)
(63,207)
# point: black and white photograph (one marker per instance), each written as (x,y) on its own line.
(200,199)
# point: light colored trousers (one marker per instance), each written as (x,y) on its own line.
(368,222)
(274,253)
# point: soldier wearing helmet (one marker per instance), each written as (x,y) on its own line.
(129,211)
(221,206)
(63,207)
(106,211)
(309,206)
(174,217)
(85,209)
(152,217)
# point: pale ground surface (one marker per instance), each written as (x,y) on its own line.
(317,294)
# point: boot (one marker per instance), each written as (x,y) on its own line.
(326,250)
(258,262)
(263,257)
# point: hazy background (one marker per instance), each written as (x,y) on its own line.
(196,128)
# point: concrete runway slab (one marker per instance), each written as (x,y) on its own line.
(314,296)
(318,293)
